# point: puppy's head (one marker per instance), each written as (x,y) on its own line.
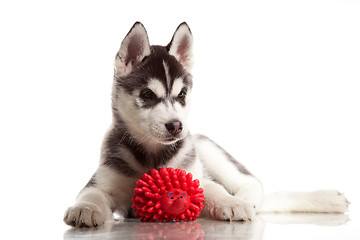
(152,86)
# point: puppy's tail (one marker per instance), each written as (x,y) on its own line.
(321,201)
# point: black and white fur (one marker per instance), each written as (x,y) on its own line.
(150,104)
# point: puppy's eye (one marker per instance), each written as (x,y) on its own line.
(147,94)
(182,93)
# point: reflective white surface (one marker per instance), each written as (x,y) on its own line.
(269,226)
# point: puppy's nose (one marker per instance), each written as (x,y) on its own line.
(174,127)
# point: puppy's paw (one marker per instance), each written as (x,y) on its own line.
(85,215)
(231,208)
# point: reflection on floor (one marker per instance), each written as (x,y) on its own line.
(206,228)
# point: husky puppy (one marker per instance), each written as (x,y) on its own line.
(150,104)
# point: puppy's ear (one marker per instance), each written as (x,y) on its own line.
(133,49)
(181,46)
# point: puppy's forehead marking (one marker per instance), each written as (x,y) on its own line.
(177,86)
(157,87)
(167,74)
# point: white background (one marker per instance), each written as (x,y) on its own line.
(276,83)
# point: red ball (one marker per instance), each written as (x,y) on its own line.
(167,194)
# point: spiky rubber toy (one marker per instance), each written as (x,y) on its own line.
(167,194)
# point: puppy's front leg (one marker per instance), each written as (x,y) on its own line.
(221,205)
(109,191)
(92,208)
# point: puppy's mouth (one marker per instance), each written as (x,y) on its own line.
(168,140)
